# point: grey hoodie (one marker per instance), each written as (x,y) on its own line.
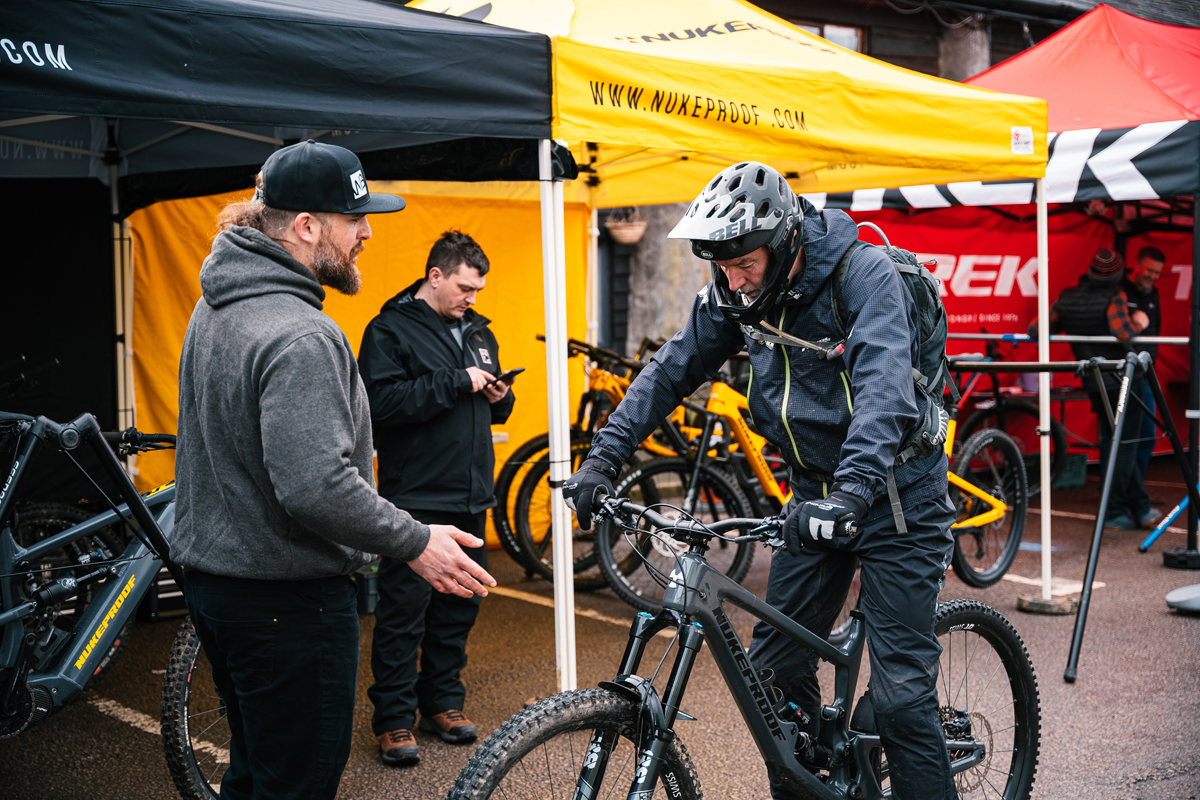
(274,461)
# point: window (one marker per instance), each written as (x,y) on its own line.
(844,35)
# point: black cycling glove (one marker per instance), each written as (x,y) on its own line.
(820,521)
(596,472)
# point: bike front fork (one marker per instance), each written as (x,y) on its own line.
(656,717)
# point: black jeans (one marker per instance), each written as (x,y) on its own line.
(1128,492)
(284,656)
(901,578)
(410,615)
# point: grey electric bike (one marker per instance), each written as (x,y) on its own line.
(68,589)
(593,744)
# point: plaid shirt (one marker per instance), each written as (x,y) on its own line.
(1119,321)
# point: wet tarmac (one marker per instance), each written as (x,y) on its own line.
(1126,729)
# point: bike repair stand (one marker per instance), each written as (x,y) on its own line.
(1129,367)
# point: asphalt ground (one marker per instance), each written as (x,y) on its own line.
(1126,729)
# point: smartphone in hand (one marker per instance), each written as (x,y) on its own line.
(506,377)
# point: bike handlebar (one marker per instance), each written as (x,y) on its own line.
(134,440)
(623,510)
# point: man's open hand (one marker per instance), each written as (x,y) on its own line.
(447,568)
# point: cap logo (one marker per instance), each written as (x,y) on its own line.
(706,254)
(358,183)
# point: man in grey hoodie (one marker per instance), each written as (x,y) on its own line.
(276,501)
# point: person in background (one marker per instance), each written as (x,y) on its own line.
(1097,306)
(430,363)
(277,503)
(1142,296)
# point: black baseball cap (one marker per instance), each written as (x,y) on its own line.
(314,176)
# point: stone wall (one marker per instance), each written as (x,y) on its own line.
(664,278)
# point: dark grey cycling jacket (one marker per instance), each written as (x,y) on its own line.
(843,419)
(274,460)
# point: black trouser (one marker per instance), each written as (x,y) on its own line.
(284,657)
(901,577)
(1128,492)
(409,615)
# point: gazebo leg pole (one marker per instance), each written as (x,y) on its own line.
(1045,603)
(557,398)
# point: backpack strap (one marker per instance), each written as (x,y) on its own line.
(840,315)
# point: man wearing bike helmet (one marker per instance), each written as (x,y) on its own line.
(848,417)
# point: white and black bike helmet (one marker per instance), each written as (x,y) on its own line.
(743,208)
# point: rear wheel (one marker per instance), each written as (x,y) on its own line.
(512,474)
(1020,421)
(195,730)
(988,702)
(533,528)
(637,564)
(992,462)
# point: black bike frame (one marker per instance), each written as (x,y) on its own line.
(120,592)
(694,602)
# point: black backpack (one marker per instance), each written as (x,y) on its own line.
(933,374)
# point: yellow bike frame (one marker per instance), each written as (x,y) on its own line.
(996,508)
(726,402)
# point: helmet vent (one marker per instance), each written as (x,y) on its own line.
(735,183)
(763,209)
(715,183)
(711,211)
(742,165)
(783,187)
(741,212)
(761,177)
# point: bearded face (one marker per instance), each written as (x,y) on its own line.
(335,268)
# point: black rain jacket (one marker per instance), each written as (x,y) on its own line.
(843,419)
(432,433)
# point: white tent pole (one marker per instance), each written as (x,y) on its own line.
(554,271)
(1043,300)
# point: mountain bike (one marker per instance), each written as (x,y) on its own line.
(1018,419)
(609,374)
(67,592)
(621,737)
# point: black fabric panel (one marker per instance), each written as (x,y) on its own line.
(893,199)
(341,64)
(57,302)
(1173,165)
(840,200)
(472,159)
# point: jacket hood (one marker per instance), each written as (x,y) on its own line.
(245,262)
(404,303)
(827,234)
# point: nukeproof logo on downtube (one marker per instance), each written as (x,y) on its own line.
(739,655)
(103,626)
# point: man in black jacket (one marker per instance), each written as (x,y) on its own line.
(1142,294)
(429,363)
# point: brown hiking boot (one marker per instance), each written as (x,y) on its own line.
(399,748)
(452,726)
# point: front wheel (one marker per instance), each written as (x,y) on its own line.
(991,462)
(637,565)
(988,702)
(541,751)
(195,730)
